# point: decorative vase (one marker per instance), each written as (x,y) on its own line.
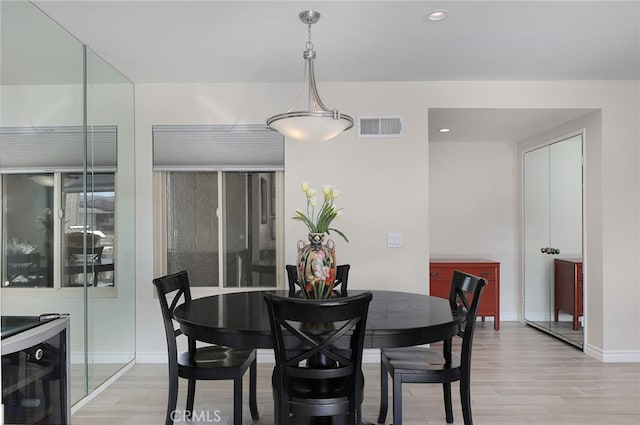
(316,266)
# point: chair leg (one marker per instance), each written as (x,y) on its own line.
(281,414)
(276,406)
(191,395)
(253,403)
(237,400)
(397,399)
(448,409)
(465,398)
(353,417)
(384,394)
(172,399)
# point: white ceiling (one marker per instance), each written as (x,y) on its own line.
(263,41)
(496,125)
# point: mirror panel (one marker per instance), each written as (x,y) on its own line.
(42,86)
(110,200)
(553,239)
(537,272)
(42,94)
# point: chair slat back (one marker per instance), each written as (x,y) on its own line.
(318,339)
(464,298)
(292,278)
(342,277)
(94,253)
(177,286)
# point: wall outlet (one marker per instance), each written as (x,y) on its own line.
(394,240)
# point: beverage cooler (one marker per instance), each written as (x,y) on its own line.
(35,369)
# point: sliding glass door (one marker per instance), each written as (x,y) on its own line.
(227,236)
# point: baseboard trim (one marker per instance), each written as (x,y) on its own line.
(612,356)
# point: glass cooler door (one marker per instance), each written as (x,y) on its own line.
(34,377)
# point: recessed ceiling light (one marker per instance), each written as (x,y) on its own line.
(437,15)
(444,130)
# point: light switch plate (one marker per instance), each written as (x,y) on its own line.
(394,240)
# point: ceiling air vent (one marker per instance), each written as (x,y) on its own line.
(380,126)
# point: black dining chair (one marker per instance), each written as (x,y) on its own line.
(202,363)
(427,365)
(76,256)
(318,351)
(342,276)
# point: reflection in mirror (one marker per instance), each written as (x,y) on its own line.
(51,188)
(98,234)
(27,230)
(42,86)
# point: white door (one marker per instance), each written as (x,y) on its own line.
(552,228)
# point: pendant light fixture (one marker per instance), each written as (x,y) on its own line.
(318,123)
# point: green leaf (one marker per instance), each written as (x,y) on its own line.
(338,232)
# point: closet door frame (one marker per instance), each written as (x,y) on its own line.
(523,232)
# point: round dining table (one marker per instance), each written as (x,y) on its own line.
(395,319)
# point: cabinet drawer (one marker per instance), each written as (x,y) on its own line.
(487,305)
(440,289)
(441,275)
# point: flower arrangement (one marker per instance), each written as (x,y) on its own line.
(320,222)
(17,247)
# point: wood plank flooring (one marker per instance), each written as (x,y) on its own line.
(520,377)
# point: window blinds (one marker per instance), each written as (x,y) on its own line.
(57,149)
(236,147)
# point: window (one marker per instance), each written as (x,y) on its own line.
(219,186)
(221,227)
(44,231)
(27,230)
(99,213)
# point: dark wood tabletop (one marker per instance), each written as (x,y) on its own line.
(395,319)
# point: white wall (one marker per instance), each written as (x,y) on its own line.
(385,182)
(473,209)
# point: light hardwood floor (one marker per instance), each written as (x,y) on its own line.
(520,376)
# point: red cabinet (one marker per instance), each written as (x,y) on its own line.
(567,277)
(441,273)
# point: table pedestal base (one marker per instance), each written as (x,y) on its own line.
(325,420)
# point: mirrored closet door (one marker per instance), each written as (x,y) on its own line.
(553,295)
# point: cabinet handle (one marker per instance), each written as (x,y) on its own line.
(434,274)
(484,274)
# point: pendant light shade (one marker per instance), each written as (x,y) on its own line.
(317,123)
(310,126)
